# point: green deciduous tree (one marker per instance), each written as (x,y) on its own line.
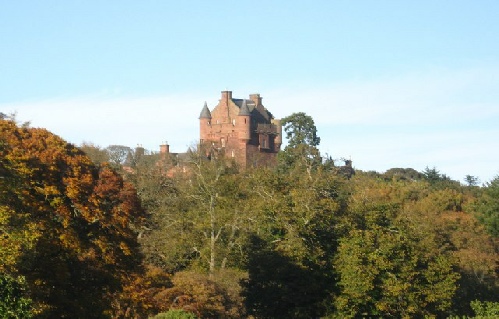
(403,173)
(392,263)
(485,310)
(175,314)
(488,207)
(14,300)
(290,256)
(97,154)
(384,272)
(199,219)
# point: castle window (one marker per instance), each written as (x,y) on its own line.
(234,122)
(222,141)
(233,154)
(264,141)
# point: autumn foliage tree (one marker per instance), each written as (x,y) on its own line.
(414,249)
(296,241)
(307,242)
(66,225)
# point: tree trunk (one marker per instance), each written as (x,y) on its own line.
(213,237)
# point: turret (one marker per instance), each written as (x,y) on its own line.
(204,122)
(244,122)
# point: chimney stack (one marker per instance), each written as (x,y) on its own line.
(139,151)
(164,149)
(226,95)
(256,98)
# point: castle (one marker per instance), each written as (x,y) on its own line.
(242,129)
(239,129)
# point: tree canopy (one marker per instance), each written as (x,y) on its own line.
(196,237)
(301,150)
(67,226)
(300,129)
(488,207)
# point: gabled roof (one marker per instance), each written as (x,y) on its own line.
(205,112)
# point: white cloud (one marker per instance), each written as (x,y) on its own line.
(106,120)
(443,118)
(448,119)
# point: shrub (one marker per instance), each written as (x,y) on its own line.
(13,303)
(485,309)
(175,314)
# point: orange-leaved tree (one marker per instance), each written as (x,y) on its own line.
(68,225)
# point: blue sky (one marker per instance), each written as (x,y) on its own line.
(388,83)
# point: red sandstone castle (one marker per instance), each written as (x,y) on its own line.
(242,129)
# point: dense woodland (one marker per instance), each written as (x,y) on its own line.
(94,232)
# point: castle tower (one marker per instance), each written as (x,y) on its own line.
(244,122)
(241,129)
(204,123)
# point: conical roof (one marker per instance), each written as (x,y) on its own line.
(205,113)
(244,110)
